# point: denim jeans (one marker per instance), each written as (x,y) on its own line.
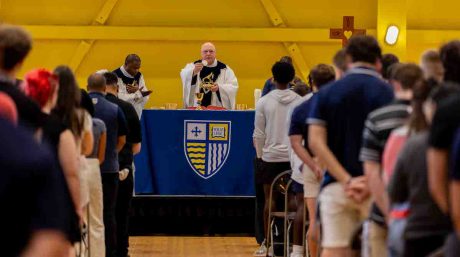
(395,237)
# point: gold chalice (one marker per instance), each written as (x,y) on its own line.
(199,98)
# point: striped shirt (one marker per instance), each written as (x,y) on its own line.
(377,129)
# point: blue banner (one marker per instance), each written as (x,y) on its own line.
(190,152)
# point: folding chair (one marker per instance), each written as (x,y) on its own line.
(280,186)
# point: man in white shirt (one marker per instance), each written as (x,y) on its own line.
(131,84)
(221,79)
(270,136)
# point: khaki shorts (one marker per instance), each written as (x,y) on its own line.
(375,240)
(340,216)
(310,183)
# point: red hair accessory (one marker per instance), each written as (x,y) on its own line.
(40,85)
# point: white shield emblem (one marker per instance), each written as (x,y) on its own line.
(206,145)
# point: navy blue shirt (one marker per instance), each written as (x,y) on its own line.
(455,157)
(299,117)
(134,135)
(268,86)
(30,189)
(115,122)
(342,107)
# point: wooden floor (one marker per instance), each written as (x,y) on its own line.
(192,246)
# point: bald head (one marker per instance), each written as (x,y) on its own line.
(208,52)
(96,83)
(208,45)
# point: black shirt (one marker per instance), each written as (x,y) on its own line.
(30,189)
(134,135)
(52,130)
(30,114)
(445,122)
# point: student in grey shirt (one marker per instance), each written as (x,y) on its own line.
(427,226)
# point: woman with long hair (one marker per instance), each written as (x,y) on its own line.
(42,86)
(68,111)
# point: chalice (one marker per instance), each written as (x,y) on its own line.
(199,98)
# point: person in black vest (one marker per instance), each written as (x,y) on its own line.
(125,159)
(131,83)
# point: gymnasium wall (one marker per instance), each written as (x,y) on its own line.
(163,34)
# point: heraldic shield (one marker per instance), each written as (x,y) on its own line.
(206,145)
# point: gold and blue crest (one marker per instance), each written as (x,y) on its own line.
(206,145)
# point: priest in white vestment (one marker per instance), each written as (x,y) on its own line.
(224,87)
(131,83)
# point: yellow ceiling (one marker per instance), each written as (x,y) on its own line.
(162,60)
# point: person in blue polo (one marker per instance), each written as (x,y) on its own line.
(115,122)
(306,178)
(336,123)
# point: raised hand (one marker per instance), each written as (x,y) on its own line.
(198,67)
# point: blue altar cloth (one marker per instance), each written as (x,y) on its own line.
(196,153)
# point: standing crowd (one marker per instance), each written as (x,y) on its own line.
(372,143)
(67,154)
(373,149)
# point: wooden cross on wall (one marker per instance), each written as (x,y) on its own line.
(347,31)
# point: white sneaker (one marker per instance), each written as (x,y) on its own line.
(296,254)
(262,251)
(270,251)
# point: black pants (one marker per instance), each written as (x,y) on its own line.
(110,191)
(260,202)
(452,248)
(125,194)
(422,247)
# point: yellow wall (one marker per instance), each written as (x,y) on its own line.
(251,61)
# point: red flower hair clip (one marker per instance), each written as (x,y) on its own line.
(40,85)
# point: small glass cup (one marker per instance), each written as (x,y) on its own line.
(170,106)
(241,107)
